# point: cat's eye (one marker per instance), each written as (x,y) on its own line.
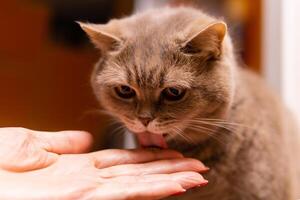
(125,92)
(173,94)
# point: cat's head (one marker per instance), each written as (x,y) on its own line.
(160,72)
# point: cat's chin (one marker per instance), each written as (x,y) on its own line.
(148,139)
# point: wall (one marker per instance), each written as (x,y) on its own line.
(281,47)
(44,85)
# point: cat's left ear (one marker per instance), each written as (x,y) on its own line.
(205,41)
(103,37)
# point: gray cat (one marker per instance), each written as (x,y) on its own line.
(171,77)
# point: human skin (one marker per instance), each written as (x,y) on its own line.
(45,165)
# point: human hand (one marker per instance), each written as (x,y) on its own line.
(108,174)
(24,150)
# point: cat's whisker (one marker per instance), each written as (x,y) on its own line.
(167,122)
(214,124)
(113,122)
(177,132)
(236,125)
(225,123)
(189,138)
(119,130)
(203,128)
(174,138)
(219,121)
(215,133)
(214,119)
(180,133)
(222,121)
(210,134)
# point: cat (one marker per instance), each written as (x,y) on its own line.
(170,76)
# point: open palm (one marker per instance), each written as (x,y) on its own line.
(107,174)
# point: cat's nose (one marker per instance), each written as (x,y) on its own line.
(145,120)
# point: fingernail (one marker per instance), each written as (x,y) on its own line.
(179,193)
(204,183)
(206,169)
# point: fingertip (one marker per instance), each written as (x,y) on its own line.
(197,165)
(81,140)
(169,188)
(176,189)
(190,180)
(204,183)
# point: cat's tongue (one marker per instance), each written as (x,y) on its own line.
(147,139)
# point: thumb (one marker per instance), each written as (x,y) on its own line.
(64,142)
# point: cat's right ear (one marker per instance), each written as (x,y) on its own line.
(100,35)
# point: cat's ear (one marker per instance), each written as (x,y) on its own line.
(102,36)
(207,41)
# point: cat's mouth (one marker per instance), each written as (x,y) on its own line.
(148,139)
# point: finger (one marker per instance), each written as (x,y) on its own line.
(155,167)
(137,191)
(187,179)
(107,158)
(64,142)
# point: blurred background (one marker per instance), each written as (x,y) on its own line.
(46,60)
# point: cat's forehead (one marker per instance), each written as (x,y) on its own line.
(150,68)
